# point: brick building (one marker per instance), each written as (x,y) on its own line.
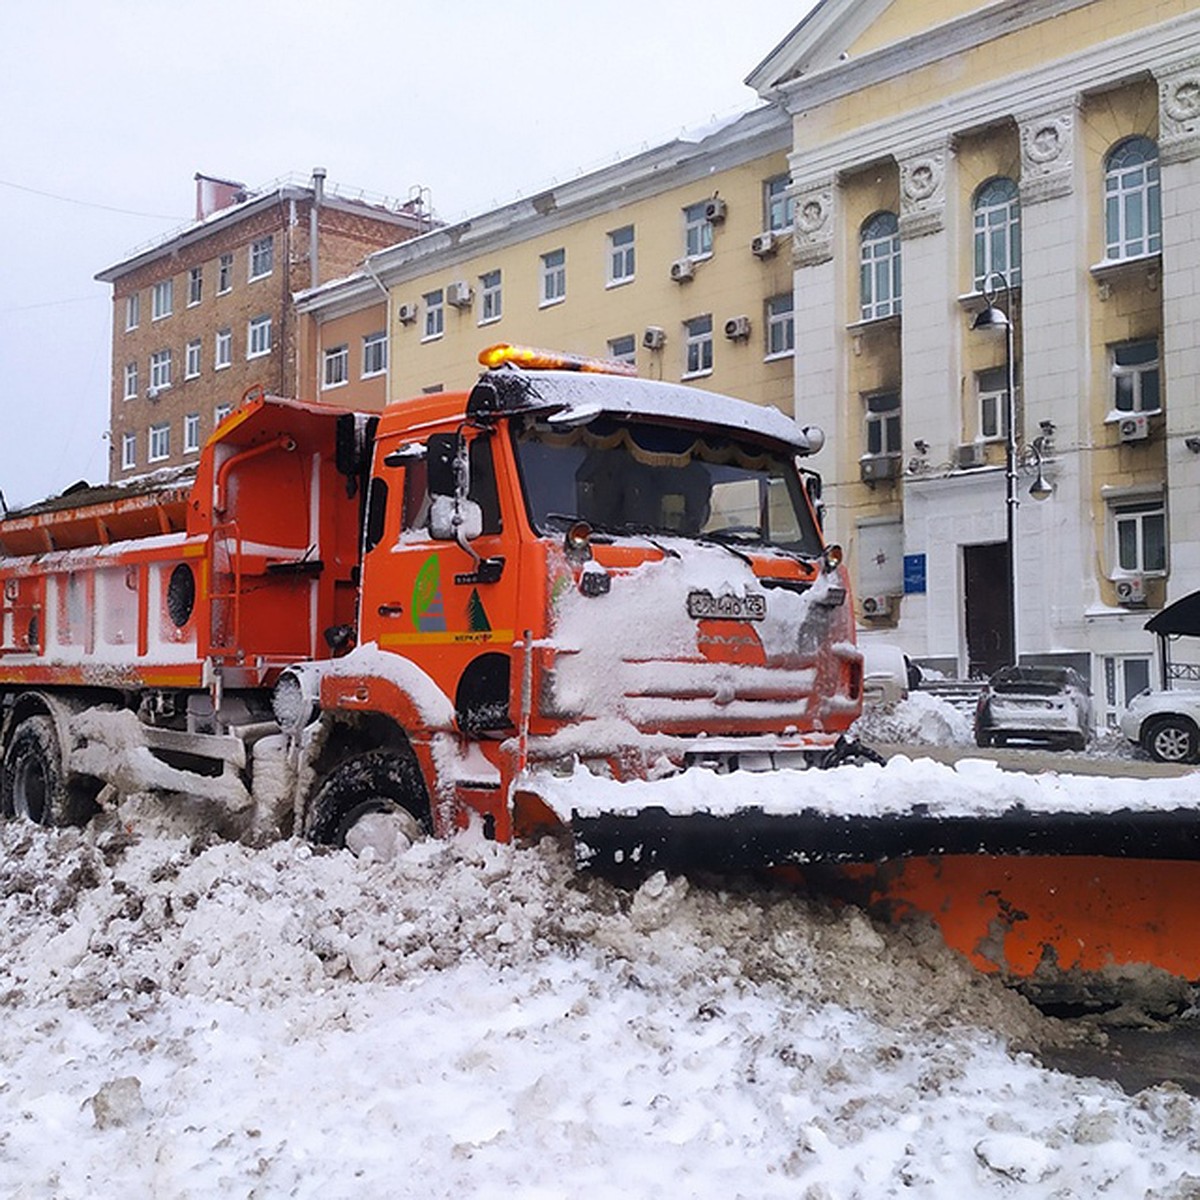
(206,313)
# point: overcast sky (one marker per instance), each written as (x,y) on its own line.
(111,107)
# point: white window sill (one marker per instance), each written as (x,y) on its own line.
(372,375)
(1116,416)
(552,303)
(432,337)
(333,387)
(224,291)
(779,356)
(223,366)
(616,283)
(489,320)
(696,374)
(873,323)
(256,278)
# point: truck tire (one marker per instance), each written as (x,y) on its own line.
(377,781)
(33,783)
(1171,740)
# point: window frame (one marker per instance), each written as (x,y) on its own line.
(1125,196)
(491,296)
(779,207)
(986,392)
(1134,512)
(133,311)
(158,447)
(191,433)
(697,231)
(162,299)
(335,366)
(378,342)
(255,329)
(262,258)
(777,318)
(191,359)
(622,256)
(220,412)
(617,352)
(994,216)
(128,451)
(195,286)
(552,280)
(435,314)
(223,343)
(224,274)
(698,346)
(131,380)
(879,257)
(160,370)
(1137,373)
(882,426)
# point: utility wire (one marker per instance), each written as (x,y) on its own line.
(129,212)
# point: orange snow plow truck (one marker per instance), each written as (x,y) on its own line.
(563,582)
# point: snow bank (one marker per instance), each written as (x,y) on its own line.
(188,1019)
(919,720)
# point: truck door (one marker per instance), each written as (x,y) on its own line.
(431,601)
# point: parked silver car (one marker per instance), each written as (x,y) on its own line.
(1048,705)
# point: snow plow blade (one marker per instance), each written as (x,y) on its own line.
(751,839)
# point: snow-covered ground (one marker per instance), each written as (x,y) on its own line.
(181,1017)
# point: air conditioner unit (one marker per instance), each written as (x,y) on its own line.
(877,606)
(1131,591)
(764,245)
(737,328)
(878,466)
(458,294)
(406,314)
(714,210)
(971,454)
(152,393)
(1135,428)
(682,269)
(654,338)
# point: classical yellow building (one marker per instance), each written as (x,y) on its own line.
(1044,156)
(678,259)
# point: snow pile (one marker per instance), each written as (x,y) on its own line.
(920,719)
(189,1019)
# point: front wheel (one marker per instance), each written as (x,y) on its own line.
(377,781)
(1172,740)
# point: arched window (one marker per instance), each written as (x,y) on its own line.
(997,232)
(1132,199)
(879,274)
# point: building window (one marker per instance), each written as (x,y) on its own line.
(191,363)
(623,349)
(620,255)
(195,285)
(133,311)
(162,299)
(1135,377)
(224,354)
(554,276)
(128,451)
(374,359)
(262,257)
(160,442)
(697,231)
(259,337)
(991,390)
(491,298)
(1132,200)
(435,314)
(997,232)
(131,380)
(698,345)
(160,370)
(1140,534)
(883,423)
(225,274)
(220,413)
(781,328)
(778,206)
(191,433)
(337,367)
(879,272)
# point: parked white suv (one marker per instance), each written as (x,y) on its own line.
(1165,724)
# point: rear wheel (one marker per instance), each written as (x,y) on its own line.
(1172,740)
(32,784)
(377,781)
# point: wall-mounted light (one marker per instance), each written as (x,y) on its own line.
(1192,443)
(922,446)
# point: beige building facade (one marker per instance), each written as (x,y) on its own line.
(1046,157)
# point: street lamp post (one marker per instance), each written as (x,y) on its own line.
(997,320)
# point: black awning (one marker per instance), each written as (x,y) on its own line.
(1181,617)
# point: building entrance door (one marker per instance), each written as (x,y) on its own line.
(989,629)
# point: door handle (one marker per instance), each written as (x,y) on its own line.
(391,610)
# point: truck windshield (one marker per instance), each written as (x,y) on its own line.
(631,476)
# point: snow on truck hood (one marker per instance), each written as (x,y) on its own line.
(511,390)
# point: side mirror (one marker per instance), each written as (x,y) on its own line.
(442,454)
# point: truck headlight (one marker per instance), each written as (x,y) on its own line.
(294,701)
